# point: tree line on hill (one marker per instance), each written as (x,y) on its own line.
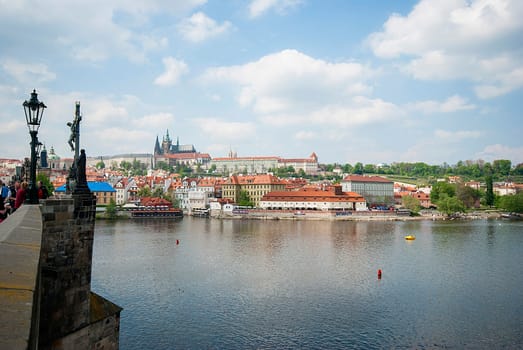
(500,169)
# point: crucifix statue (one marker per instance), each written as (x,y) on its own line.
(77,180)
(74,138)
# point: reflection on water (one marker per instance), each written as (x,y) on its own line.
(234,284)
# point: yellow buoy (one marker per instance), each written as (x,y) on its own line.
(410,237)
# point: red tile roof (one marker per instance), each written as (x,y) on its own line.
(308,194)
(365,178)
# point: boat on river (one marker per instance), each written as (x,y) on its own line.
(156,212)
(155,208)
(512,216)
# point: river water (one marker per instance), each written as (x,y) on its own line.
(232,284)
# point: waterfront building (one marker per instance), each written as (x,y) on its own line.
(473,184)
(256,187)
(314,198)
(125,188)
(422,197)
(375,189)
(103,191)
(181,192)
(504,188)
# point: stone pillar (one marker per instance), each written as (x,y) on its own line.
(66,261)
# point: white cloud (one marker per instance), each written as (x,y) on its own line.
(223,130)
(200,27)
(456,136)
(292,81)
(305,135)
(156,121)
(452,104)
(498,151)
(259,7)
(451,39)
(358,111)
(35,73)
(92,31)
(174,69)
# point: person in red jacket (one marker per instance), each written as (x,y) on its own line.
(20,195)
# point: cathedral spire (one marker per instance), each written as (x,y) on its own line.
(157,148)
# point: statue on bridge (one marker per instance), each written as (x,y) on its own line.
(76,181)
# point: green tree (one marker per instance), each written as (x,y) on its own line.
(369,169)
(47,183)
(441,188)
(162,165)
(110,209)
(100,165)
(450,205)
(469,196)
(489,195)
(411,203)
(358,168)
(512,203)
(157,193)
(145,191)
(125,165)
(244,200)
(347,168)
(502,166)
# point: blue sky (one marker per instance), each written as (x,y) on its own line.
(354,81)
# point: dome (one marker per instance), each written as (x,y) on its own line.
(52,155)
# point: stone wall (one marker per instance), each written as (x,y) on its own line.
(66,320)
(45,279)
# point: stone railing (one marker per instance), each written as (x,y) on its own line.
(46,300)
(20,244)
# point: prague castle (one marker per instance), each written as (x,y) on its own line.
(178,154)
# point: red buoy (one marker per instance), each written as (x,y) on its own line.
(379,274)
(177,242)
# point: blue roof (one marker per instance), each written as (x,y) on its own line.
(94,186)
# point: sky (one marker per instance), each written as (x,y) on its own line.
(370,81)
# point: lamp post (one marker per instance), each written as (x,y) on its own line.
(34,110)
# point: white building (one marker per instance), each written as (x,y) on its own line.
(331,198)
(375,189)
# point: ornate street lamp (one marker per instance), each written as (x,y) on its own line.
(34,110)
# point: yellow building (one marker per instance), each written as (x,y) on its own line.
(103,191)
(256,187)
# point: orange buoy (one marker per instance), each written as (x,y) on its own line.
(379,274)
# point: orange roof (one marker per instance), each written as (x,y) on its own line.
(255,180)
(154,201)
(192,155)
(247,158)
(309,194)
(364,178)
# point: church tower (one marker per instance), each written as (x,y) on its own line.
(166,144)
(157,149)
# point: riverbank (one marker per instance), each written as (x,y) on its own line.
(258,214)
(352,216)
